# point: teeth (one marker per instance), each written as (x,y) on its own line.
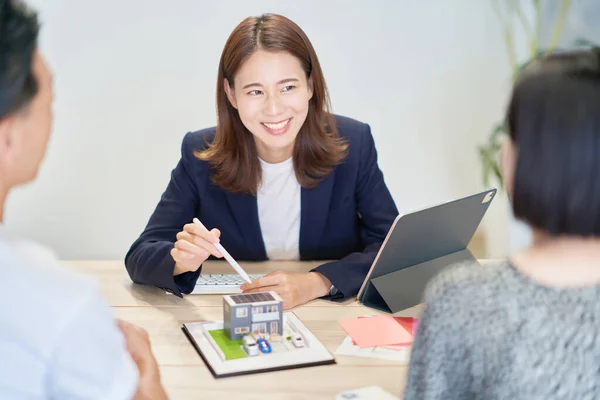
(278,126)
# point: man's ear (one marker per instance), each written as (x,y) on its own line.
(7,139)
(230,93)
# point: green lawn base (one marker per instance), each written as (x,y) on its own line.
(231,348)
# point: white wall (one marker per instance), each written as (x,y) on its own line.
(431,78)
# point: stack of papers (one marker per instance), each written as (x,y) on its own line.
(384,337)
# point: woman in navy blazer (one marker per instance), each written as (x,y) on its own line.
(272,106)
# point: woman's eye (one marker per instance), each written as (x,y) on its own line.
(288,88)
(255,92)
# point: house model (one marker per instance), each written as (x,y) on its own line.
(252,313)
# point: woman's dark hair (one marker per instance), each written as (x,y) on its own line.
(232,154)
(18,41)
(554,122)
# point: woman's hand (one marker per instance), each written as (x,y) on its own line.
(294,288)
(193,246)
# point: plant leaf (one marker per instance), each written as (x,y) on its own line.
(498,130)
(488,152)
(486,168)
(498,175)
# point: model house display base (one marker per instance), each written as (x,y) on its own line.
(294,347)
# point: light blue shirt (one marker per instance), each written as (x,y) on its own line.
(58,338)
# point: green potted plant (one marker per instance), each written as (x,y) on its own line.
(512,17)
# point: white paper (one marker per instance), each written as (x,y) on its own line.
(366,393)
(347,348)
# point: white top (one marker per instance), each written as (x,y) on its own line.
(279,210)
(58,338)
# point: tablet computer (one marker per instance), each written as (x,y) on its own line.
(418,245)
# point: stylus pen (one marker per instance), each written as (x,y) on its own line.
(227,256)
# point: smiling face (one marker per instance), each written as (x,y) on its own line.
(271,93)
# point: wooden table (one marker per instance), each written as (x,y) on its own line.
(184,374)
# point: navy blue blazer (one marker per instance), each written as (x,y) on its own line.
(344,218)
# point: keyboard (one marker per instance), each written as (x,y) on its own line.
(220,283)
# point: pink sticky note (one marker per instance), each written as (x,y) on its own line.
(406,323)
(376,331)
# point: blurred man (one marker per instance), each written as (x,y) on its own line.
(58,338)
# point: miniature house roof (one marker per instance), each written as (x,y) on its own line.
(253,298)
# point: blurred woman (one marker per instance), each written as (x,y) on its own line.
(529,328)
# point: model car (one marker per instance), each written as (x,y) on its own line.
(264,345)
(297,340)
(250,345)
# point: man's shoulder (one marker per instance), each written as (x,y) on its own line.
(56,324)
(36,291)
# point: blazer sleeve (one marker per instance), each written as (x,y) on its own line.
(149,261)
(377,211)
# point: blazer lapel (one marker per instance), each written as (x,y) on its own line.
(245,211)
(313,216)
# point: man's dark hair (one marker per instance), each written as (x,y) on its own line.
(554,122)
(18,40)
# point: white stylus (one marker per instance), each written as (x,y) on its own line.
(227,256)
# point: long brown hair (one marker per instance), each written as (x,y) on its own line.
(232,154)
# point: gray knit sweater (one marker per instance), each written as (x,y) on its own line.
(493,333)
